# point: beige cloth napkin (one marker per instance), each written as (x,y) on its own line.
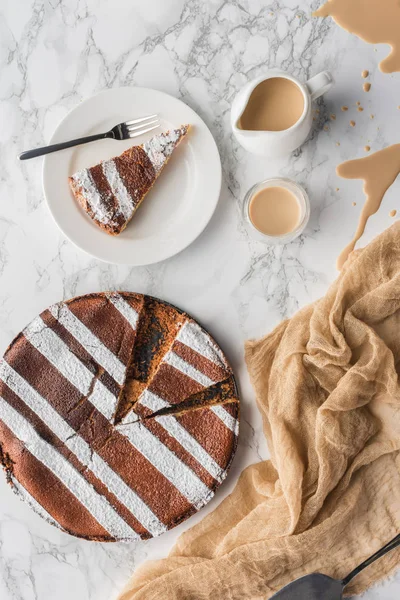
(328,391)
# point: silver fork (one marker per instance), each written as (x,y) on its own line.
(123,131)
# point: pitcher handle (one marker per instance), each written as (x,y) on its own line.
(319,84)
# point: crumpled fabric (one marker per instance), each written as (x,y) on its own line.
(327,387)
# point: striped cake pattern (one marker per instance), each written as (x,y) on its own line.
(63,382)
(113,190)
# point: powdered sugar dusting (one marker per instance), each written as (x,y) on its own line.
(90,342)
(168,463)
(195,337)
(96,504)
(57,352)
(181,435)
(226,418)
(187,369)
(126,310)
(84,180)
(81,449)
(126,204)
(160,147)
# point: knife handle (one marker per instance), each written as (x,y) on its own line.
(394,543)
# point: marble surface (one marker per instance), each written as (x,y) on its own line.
(53,54)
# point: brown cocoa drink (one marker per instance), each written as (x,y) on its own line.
(274,211)
(275,104)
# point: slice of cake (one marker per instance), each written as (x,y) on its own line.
(112,191)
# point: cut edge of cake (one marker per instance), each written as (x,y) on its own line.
(223,392)
(175,320)
(198,341)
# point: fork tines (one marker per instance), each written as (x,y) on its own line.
(137,127)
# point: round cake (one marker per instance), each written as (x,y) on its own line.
(119,416)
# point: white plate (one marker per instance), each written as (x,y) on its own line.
(175,211)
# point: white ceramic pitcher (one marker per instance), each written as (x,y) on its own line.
(274,144)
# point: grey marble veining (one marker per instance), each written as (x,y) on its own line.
(53,54)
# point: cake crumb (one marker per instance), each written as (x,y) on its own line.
(337,143)
(326,128)
(393,213)
(367,148)
(360,109)
(337,189)
(372,116)
(358,103)
(344,108)
(366,87)
(333,117)
(353,123)
(365,74)
(354,203)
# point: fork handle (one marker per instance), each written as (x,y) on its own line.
(55,147)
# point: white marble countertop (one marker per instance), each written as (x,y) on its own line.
(53,54)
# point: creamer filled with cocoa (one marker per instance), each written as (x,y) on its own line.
(274,211)
(275,104)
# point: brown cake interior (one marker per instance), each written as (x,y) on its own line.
(157,328)
(156,333)
(221,393)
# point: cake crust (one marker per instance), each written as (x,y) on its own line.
(88,457)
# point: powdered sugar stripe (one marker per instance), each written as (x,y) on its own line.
(131,417)
(167,463)
(89,191)
(187,369)
(181,435)
(192,446)
(34,504)
(126,310)
(47,342)
(114,180)
(58,354)
(160,147)
(89,341)
(103,400)
(226,418)
(81,449)
(151,401)
(93,502)
(192,335)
